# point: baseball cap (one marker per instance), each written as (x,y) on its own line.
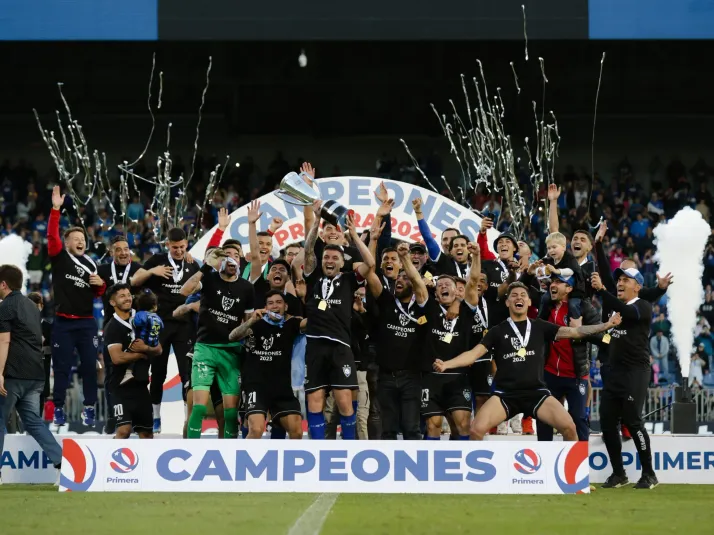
(417,246)
(570,281)
(631,273)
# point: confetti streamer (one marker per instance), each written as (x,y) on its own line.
(592,143)
(525,29)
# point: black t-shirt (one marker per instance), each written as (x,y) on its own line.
(496,273)
(516,373)
(329,306)
(105,272)
(707,310)
(168,290)
(445,264)
(116,332)
(74,295)
(223,306)
(351,255)
(630,342)
(444,339)
(480,322)
(21,318)
(397,334)
(270,350)
(262,287)
(360,339)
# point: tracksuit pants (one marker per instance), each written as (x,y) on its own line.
(69,335)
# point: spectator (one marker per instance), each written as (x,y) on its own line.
(135,211)
(662,325)
(696,371)
(659,348)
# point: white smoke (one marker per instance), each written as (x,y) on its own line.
(680,249)
(14,250)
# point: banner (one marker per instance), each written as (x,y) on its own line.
(356,193)
(324,466)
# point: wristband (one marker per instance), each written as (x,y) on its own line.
(270,232)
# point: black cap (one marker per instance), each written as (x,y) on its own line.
(507,236)
(419,246)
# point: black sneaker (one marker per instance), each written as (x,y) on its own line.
(615,482)
(647,481)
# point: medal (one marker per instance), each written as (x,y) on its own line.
(447,338)
(124,277)
(485,332)
(422,320)
(521,352)
(177,273)
(606,338)
(523,341)
(82,266)
(428,275)
(322,305)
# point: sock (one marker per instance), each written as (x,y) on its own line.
(427,437)
(243,431)
(231,425)
(277,432)
(316,423)
(464,437)
(157,410)
(349,426)
(642,443)
(195,422)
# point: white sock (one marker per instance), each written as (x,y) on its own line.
(157,410)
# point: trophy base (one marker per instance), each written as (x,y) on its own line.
(333,212)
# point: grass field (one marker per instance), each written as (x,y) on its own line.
(685,509)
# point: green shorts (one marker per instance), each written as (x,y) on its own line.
(221,362)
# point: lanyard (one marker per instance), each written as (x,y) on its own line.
(126,324)
(407,312)
(523,341)
(124,277)
(483,317)
(85,268)
(178,271)
(465,273)
(387,283)
(328,286)
(452,323)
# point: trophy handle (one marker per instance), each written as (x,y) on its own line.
(284,196)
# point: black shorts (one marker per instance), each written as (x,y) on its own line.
(329,365)
(132,406)
(526,402)
(445,392)
(216,396)
(264,400)
(481,378)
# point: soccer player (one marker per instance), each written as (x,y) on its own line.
(625,391)
(165,274)
(452,258)
(448,393)
(328,358)
(518,346)
(226,301)
(266,378)
(119,270)
(398,352)
(76,284)
(132,401)
(480,372)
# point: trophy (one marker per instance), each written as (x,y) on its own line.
(295,190)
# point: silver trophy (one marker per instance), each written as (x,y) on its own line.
(295,190)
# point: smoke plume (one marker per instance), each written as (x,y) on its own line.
(14,250)
(680,249)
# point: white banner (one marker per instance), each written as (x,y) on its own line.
(356,193)
(325,466)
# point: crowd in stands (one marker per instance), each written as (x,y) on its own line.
(632,201)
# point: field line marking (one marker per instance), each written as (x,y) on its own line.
(312,519)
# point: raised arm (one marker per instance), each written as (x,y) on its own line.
(54,241)
(611,302)
(310,258)
(308,173)
(224,220)
(193,285)
(464,359)
(244,329)
(253,216)
(482,239)
(419,288)
(603,263)
(471,293)
(553,222)
(575,333)
(368,262)
(431,246)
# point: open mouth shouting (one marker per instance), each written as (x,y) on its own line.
(520,305)
(389,269)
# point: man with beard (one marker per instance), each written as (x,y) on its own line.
(625,391)
(267,387)
(520,362)
(329,360)
(277,280)
(165,274)
(76,284)
(397,348)
(226,300)
(132,401)
(450,260)
(444,338)
(118,271)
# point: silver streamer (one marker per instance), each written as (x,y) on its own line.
(592,143)
(525,29)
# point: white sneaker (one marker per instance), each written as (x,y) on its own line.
(502,428)
(516,424)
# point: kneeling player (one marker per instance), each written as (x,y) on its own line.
(267,386)
(518,346)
